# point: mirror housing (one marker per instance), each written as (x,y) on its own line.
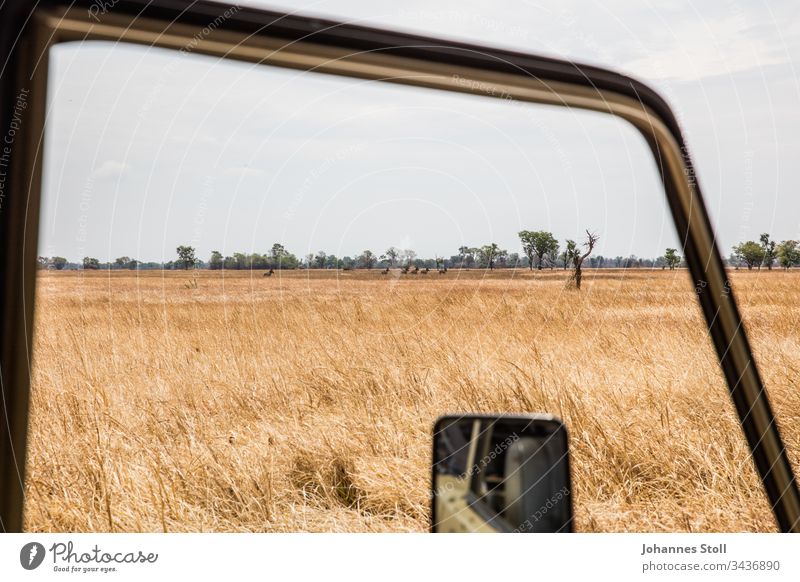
(501,473)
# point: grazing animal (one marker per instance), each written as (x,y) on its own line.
(269,273)
(405,270)
(426,271)
(442,271)
(385,271)
(416,270)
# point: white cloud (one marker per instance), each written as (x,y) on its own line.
(194,140)
(110,169)
(244,171)
(700,49)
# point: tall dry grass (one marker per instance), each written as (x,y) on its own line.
(305,402)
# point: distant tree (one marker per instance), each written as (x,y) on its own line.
(750,253)
(58,263)
(277,253)
(569,253)
(502,259)
(290,261)
(552,255)
(90,263)
(280,258)
(391,255)
(125,263)
(599,262)
(239,260)
(215,262)
(468,256)
(474,256)
(768,247)
(309,260)
(367,259)
(319,260)
(490,254)
(538,243)
(408,256)
(42,263)
(672,258)
(788,253)
(259,261)
(630,262)
(122,262)
(577,260)
(332,262)
(186,257)
(463,253)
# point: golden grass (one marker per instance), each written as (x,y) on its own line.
(305,403)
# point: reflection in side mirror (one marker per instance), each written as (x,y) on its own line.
(501,474)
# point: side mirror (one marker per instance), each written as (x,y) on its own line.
(501,474)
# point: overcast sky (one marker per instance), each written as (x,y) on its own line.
(147,149)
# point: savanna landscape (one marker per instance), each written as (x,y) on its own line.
(226,401)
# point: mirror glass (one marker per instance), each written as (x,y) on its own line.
(259,288)
(501,474)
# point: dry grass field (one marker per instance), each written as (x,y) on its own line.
(304,401)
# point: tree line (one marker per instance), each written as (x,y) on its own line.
(540,250)
(765,253)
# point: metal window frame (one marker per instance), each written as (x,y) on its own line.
(258,36)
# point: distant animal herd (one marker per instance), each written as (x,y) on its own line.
(415,271)
(407,270)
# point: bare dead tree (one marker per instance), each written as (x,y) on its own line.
(577,258)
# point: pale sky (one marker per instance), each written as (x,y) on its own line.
(147,149)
